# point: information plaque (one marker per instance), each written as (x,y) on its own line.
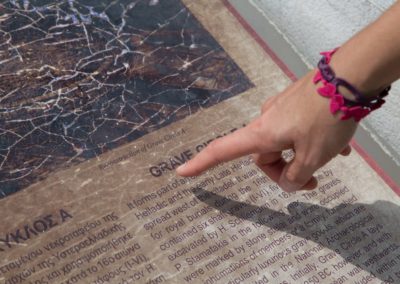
(100,101)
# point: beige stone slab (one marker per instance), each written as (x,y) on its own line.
(109,220)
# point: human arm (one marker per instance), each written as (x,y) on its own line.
(299,118)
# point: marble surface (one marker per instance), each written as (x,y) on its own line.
(78,78)
(110,220)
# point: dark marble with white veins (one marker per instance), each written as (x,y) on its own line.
(78,78)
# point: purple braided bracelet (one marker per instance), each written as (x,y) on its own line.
(356,109)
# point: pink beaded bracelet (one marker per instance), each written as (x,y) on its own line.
(357,108)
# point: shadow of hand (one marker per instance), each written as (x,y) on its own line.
(366,235)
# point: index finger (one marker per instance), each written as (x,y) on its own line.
(237,144)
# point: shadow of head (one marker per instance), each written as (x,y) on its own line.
(365,235)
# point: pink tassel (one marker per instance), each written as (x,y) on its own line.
(327,91)
(337,101)
(317,77)
(328,54)
(377,105)
(357,113)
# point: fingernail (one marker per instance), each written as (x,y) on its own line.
(288,186)
(181,168)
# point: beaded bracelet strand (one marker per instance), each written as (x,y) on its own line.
(357,108)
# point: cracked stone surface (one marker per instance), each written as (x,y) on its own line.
(79,78)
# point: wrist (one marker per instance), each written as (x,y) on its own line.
(359,72)
(338,90)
